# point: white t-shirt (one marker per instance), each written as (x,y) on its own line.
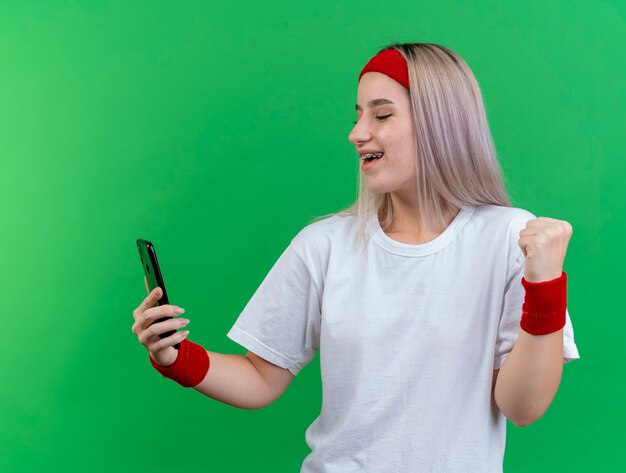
(408,339)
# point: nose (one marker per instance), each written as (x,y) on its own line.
(359,133)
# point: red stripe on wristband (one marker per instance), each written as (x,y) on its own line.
(543,311)
(191,365)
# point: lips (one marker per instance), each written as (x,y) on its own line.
(369,163)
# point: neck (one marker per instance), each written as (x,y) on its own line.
(406,220)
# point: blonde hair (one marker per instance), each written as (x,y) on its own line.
(456,159)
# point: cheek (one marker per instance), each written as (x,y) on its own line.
(403,146)
(410,146)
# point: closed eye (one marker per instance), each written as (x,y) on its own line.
(381,118)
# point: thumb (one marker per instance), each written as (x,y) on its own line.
(522,244)
(145,280)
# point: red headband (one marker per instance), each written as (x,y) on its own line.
(391,63)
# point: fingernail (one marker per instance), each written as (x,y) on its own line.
(178,310)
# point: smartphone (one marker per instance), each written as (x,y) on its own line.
(151,269)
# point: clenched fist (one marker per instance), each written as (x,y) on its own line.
(544,244)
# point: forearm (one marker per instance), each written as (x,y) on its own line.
(234,380)
(530,377)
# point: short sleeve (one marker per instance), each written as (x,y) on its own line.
(511,314)
(281,322)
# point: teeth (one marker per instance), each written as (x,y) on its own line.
(371,155)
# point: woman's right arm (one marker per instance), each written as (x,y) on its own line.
(247,382)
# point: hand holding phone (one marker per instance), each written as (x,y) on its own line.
(153,278)
(147,330)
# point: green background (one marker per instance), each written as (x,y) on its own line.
(218,131)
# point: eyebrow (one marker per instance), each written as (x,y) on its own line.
(375,103)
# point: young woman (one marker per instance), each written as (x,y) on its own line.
(438,309)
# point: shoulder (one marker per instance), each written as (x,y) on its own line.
(507,223)
(503,224)
(327,228)
(511,218)
(315,240)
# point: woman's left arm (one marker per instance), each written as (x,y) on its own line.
(529,379)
